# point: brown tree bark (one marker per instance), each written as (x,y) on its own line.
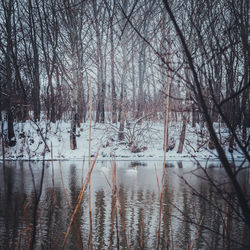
(167,107)
(182,136)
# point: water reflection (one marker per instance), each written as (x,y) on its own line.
(185,207)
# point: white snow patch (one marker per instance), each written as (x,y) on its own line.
(148,137)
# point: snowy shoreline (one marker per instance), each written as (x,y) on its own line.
(146,136)
(125,158)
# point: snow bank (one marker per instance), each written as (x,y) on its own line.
(145,140)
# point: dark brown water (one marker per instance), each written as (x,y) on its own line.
(194,214)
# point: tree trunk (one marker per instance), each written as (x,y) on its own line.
(81,106)
(59,96)
(124,44)
(102,102)
(100,112)
(11,134)
(120,104)
(36,77)
(52,104)
(2,138)
(133,83)
(167,111)
(231,145)
(245,115)
(141,68)
(113,91)
(194,115)
(121,128)
(73,144)
(182,137)
(10,87)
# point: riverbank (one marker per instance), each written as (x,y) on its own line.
(142,142)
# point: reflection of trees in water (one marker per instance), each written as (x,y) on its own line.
(166,232)
(13,212)
(140,239)
(123,199)
(140,217)
(212,197)
(76,239)
(52,223)
(184,228)
(12,202)
(100,215)
(199,202)
(150,199)
(131,219)
(184,208)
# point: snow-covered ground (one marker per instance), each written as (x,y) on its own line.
(146,138)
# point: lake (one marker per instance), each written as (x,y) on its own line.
(194,214)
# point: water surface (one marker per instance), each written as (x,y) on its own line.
(193,213)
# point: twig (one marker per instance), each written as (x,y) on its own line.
(44,139)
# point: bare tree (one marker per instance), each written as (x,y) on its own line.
(195,66)
(111,9)
(7,82)
(71,63)
(98,16)
(142,55)
(49,28)
(35,73)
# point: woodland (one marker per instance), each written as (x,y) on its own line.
(129,66)
(135,60)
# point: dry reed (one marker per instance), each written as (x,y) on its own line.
(164,158)
(90,210)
